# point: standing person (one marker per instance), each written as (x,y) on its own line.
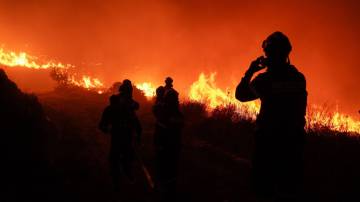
(168,85)
(167,140)
(279,139)
(119,118)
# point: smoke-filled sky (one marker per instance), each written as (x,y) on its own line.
(148,40)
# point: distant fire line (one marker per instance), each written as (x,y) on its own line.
(203,90)
(61,71)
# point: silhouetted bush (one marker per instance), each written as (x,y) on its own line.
(193,111)
(224,113)
(28,139)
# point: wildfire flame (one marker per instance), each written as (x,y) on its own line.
(147,88)
(205,90)
(318,116)
(22,59)
(86,82)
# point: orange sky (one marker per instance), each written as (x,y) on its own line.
(147,41)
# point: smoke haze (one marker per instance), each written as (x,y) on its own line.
(148,40)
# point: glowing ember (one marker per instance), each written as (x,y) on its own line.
(62,71)
(205,90)
(147,88)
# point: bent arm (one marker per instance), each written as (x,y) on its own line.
(244,91)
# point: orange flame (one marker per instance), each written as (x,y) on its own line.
(318,116)
(147,88)
(205,90)
(22,59)
(86,82)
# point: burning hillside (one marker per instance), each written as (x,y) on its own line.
(62,73)
(203,90)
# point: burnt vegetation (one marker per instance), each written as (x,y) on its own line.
(53,151)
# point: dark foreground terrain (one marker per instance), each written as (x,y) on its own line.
(61,155)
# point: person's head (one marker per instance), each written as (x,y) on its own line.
(160,91)
(277,48)
(126,87)
(169,81)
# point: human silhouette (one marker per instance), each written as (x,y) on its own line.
(168,85)
(279,138)
(120,119)
(167,140)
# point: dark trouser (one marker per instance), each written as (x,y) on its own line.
(167,146)
(166,173)
(278,164)
(121,159)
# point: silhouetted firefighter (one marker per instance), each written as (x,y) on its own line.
(167,139)
(168,85)
(121,118)
(279,139)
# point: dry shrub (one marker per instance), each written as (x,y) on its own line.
(194,111)
(224,113)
